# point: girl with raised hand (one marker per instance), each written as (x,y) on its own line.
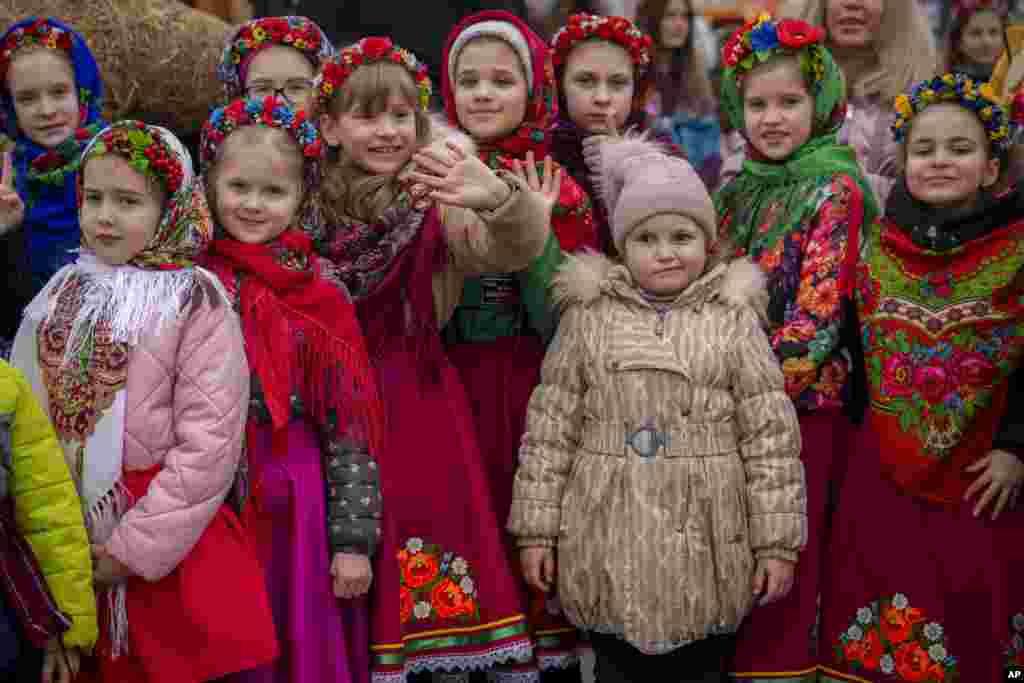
(940,295)
(499,88)
(50,106)
(798,210)
(411,214)
(140,361)
(315,423)
(274,56)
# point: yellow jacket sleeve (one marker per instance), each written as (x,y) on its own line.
(47,507)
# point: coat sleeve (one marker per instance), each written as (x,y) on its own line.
(505,240)
(211,393)
(769,444)
(49,514)
(553,421)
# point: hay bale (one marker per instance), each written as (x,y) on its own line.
(158,57)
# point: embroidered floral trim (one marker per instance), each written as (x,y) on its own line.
(79,395)
(762,38)
(367,51)
(893,638)
(435,585)
(978,98)
(41,32)
(582,27)
(1015,650)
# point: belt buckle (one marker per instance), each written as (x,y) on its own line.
(646,441)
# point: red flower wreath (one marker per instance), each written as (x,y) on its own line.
(617,30)
(796,34)
(368,50)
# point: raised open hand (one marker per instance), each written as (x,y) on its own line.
(459,179)
(12,209)
(548,186)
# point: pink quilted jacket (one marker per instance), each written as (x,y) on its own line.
(187,401)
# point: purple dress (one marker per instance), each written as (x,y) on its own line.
(323,639)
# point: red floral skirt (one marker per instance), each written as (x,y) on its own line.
(208,618)
(919,591)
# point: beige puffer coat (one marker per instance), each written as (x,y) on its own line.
(661,453)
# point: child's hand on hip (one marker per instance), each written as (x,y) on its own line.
(352,575)
(539,567)
(12,209)
(773,579)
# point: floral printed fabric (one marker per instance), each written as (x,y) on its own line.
(804,266)
(1015,650)
(435,585)
(892,637)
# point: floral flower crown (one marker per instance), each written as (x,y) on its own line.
(297,32)
(40,32)
(367,51)
(762,38)
(145,150)
(270,111)
(964,8)
(979,99)
(582,27)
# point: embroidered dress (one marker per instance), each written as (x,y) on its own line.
(497,335)
(175,618)
(45,178)
(800,220)
(917,589)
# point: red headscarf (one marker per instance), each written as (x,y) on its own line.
(572,218)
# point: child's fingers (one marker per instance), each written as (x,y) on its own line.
(460,154)
(549,569)
(431,181)
(985,500)
(983,479)
(531,172)
(7,179)
(433,161)
(1004,498)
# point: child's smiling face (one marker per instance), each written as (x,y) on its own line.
(948,160)
(42,86)
(778,111)
(665,253)
(120,209)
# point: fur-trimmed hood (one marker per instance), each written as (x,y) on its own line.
(586,276)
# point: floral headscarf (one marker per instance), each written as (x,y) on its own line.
(258,34)
(185,227)
(44,178)
(793,185)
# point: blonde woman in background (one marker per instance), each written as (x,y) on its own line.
(882,47)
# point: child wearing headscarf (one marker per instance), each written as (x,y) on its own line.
(51,101)
(315,421)
(497,334)
(140,361)
(798,209)
(923,564)
(274,56)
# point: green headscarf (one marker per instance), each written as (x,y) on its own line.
(796,183)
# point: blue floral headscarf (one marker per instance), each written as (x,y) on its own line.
(46,178)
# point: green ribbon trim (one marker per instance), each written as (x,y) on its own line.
(419,645)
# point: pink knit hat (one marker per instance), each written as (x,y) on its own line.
(637,179)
